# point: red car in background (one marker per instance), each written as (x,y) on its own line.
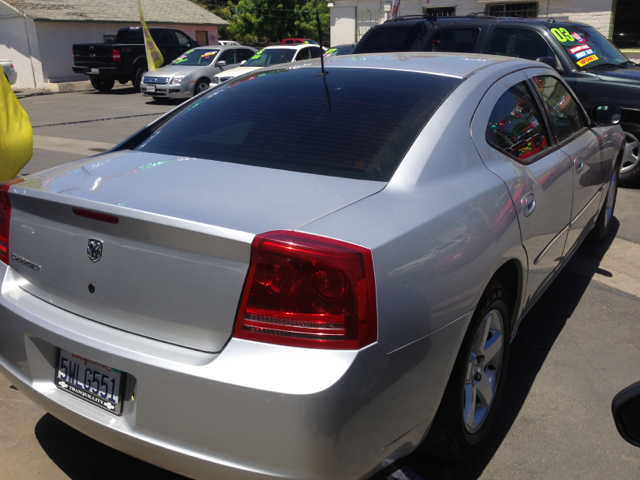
(289,41)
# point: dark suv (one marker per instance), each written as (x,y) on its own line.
(592,66)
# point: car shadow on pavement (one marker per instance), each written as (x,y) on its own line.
(83,458)
(537,333)
(77,454)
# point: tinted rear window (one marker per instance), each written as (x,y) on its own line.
(393,38)
(360,126)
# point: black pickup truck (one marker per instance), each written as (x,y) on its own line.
(593,67)
(125,60)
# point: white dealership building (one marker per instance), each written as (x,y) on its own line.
(37,36)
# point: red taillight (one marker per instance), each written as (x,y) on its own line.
(304,290)
(116,55)
(73,52)
(5,218)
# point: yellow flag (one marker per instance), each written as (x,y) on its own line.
(16,135)
(154,57)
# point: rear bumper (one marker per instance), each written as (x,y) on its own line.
(110,72)
(12,76)
(252,411)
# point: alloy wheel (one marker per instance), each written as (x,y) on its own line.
(632,154)
(483,370)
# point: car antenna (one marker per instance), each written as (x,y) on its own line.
(320,37)
(323,74)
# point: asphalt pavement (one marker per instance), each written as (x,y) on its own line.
(574,351)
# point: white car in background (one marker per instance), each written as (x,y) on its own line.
(9,71)
(271,56)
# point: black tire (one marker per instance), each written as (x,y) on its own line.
(137,78)
(102,84)
(454,437)
(630,167)
(201,86)
(605,217)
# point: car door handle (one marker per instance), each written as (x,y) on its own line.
(579,164)
(528,204)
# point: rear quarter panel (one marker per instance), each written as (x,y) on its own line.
(439,230)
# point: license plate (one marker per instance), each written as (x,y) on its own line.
(94,382)
(94,70)
(151,88)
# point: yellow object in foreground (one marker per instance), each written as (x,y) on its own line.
(154,57)
(16,135)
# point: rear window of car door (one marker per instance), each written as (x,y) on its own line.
(315,52)
(520,43)
(165,38)
(303,54)
(563,110)
(462,40)
(183,40)
(228,56)
(244,54)
(516,126)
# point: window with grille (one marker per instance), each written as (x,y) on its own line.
(525,10)
(439,11)
(366,18)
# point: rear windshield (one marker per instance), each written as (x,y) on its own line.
(393,38)
(129,35)
(360,125)
(197,57)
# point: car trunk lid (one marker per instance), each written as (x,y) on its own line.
(173,266)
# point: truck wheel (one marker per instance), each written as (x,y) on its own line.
(102,84)
(137,78)
(471,399)
(630,167)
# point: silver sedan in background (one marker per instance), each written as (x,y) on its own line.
(9,70)
(190,73)
(315,286)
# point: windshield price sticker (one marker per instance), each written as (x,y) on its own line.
(257,55)
(580,48)
(589,59)
(578,37)
(583,54)
(563,35)
(208,54)
(330,52)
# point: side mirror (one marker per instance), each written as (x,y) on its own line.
(626,413)
(221,64)
(607,115)
(553,62)
(243,62)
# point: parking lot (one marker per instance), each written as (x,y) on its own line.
(574,351)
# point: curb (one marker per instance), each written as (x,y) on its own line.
(68,86)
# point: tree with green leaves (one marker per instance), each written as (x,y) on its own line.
(271,20)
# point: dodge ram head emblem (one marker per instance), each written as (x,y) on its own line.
(94,250)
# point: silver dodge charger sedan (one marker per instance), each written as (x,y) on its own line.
(316,286)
